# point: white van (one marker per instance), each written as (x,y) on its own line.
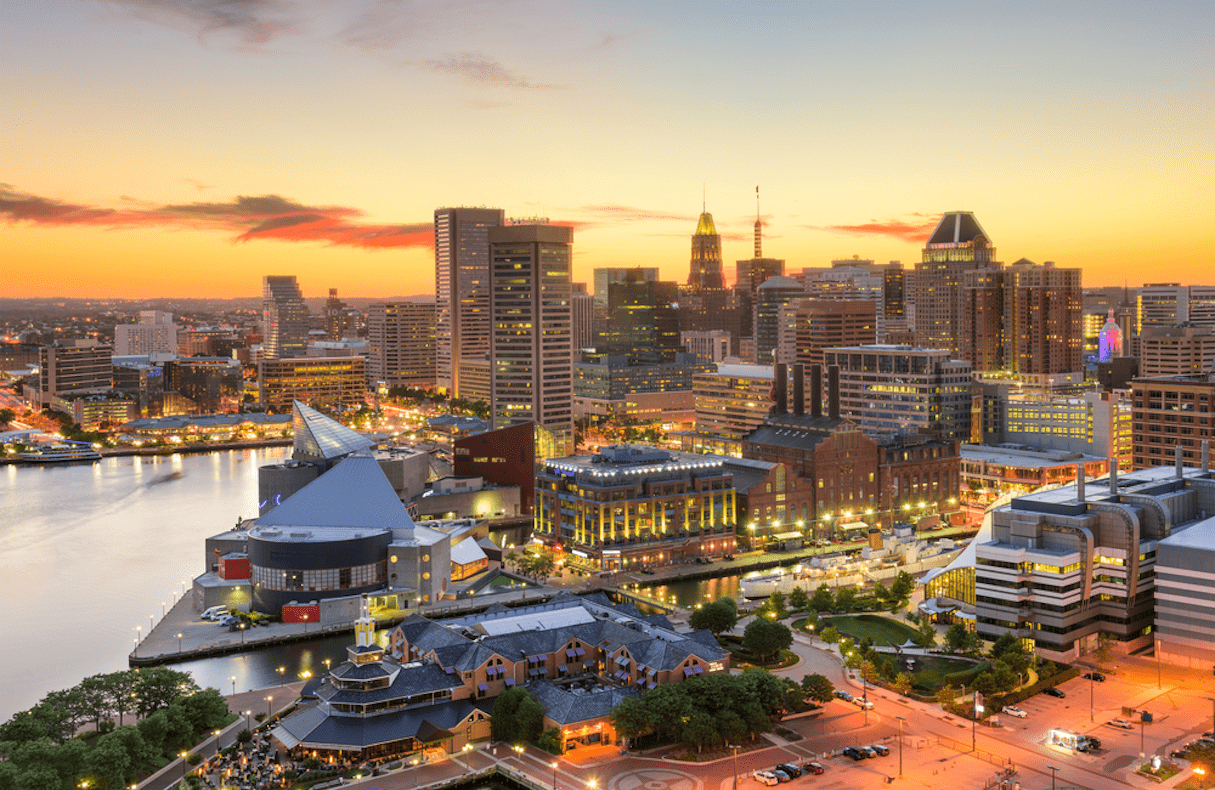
(215,612)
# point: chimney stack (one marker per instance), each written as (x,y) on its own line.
(1180,466)
(780,389)
(833,392)
(816,390)
(1080,482)
(1206,459)
(1113,462)
(799,389)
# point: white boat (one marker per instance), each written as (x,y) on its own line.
(842,572)
(61,453)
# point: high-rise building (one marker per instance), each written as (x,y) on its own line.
(1176,350)
(341,320)
(71,367)
(709,347)
(958,245)
(1170,304)
(751,274)
(706,269)
(462,322)
(605,276)
(774,294)
(886,389)
(582,314)
(337,383)
(643,322)
(284,318)
(825,323)
(154,334)
(1043,318)
(531,366)
(402,337)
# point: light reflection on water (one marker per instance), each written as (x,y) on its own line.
(89,551)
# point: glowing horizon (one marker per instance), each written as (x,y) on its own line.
(158,148)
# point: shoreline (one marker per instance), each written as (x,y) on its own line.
(192,449)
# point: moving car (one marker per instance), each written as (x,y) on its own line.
(1054,692)
(880,749)
(1122,723)
(1097,676)
(856,754)
(1012,710)
(792,770)
(766,778)
(815,768)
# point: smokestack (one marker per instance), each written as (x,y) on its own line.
(816,390)
(1180,466)
(1206,460)
(799,389)
(1113,462)
(1079,482)
(833,392)
(780,388)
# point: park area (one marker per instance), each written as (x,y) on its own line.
(882,631)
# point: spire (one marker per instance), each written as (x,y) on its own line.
(759,229)
(364,627)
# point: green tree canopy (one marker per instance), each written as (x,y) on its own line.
(718,617)
(817,688)
(823,600)
(765,638)
(799,600)
(518,716)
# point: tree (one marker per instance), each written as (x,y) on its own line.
(6,416)
(817,688)
(157,687)
(631,718)
(927,637)
(109,762)
(946,696)
(95,698)
(718,617)
(830,635)
(799,600)
(902,586)
(1105,648)
(845,599)
(120,691)
(550,741)
(765,638)
(822,600)
(957,637)
(902,684)
(870,673)
(518,716)
(699,729)
(776,604)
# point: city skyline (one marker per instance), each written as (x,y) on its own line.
(166,149)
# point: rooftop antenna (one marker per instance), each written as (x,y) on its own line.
(703,194)
(759,233)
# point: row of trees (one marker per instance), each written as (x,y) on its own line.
(116,758)
(763,637)
(846,599)
(713,710)
(518,717)
(537,562)
(97,699)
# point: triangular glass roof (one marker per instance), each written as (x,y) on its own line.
(319,436)
(355,493)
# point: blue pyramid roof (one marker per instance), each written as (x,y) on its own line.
(321,437)
(355,493)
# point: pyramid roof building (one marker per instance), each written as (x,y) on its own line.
(356,494)
(320,437)
(958,227)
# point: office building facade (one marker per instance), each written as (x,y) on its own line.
(462,320)
(284,318)
(820,324)
(336,383)
(1171,413)
(957,245)
(531,344)
(154,334)
(402,341)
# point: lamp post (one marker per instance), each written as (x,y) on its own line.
(1053,769)
(901,720)
(1212,699)
(735,748)
(233,679)
(248,720)
(1141,751)
(183,757)
(179,643)
(281,670)
(269,700)
(1092,682)
(554,765)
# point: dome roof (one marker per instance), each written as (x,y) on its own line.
(705,227)
(780,281)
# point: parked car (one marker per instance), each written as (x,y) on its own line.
(781,776)
(880,749)
(869,751)
(844,695)
(792,770)
(228,619)
(1097,676)
(215,612)
(766,778)
(1121,723)
(856,754)
(1012,710)
(861,702)
(815,768)
(1054,692)
(1094,744)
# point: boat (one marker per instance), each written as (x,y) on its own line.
(61,453)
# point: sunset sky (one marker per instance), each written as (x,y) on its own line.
(188,147)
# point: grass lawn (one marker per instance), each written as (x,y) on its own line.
(882,630)
(506,583)
(934,672)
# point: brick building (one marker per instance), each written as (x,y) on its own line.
(1169,412)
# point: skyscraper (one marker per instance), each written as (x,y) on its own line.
(705,271)
(284,318)
(462,323)
(752,273)
(959,244)
(775,293)
(402,340)
(642,324)
(531,369)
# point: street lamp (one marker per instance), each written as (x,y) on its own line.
(735,748)
(233,679)
(179,643)
(183,756)
(268,701)
(1212,699)
(554,765)
(1092,682)
(281,670)
(901,720)
(248,720)
(1053,769)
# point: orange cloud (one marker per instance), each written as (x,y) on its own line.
(914,229)
(250,218)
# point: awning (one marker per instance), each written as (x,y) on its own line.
(542,657)
(641,667)
(652,672)
(640,681)
(543,670)
(483,687)
(651,685)
(687,671)
(563,669)
(450,670)
(698,670)
(510,681)
(570,654)
(623,661)
(532,673)
(579,651)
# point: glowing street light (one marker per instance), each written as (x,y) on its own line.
(233,679)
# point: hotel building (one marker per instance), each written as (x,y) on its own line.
(402,344)
(462,323)
(336,382)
